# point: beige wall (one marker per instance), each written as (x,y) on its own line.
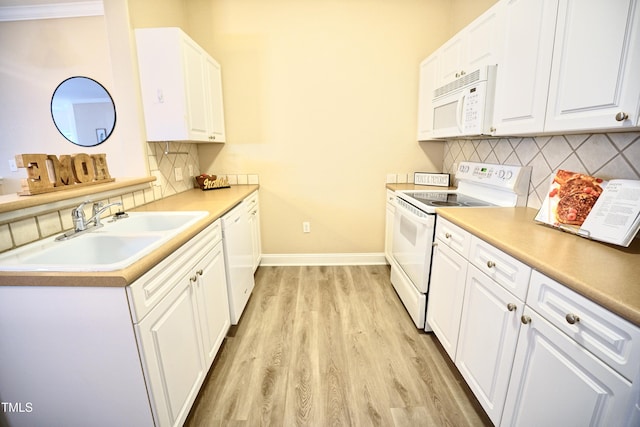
(465,11)
(320,100)
(39,54)
(321,103)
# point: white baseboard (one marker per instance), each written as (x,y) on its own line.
(323,259)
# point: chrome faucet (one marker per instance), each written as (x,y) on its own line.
(80,221)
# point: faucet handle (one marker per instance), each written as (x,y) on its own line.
(78,211)
(78,216)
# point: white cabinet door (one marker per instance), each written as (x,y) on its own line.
(446,293)
(213,83)
(487,342)
(253,210)
(477,45)
(596,64)
(523,73)
(198,116)
(556,382)
(213,306)
(181,87)
(388,226)
(428,76)
(171,347)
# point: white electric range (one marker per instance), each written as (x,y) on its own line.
(479,185)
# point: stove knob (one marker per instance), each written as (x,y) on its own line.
(501,173)
(509,174)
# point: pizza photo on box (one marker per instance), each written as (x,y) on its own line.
(570,199)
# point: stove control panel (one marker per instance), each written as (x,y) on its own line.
(509,177)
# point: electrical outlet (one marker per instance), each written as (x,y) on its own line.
(178,173)
(306,227)
(190,170)
(13,167)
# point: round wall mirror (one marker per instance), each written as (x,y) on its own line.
(83,111)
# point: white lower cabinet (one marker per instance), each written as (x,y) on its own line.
(181,331)
(253,210)
(574,358)
(388,225)
(488,336)
(558,360)
(171,345)
(446,293)
(556,382)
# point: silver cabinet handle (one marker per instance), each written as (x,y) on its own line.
(193,279)
(199,272)
(621,116)
(434,244)
(491,264)
(525,319)
(572,319)
(511,307)
(447,235)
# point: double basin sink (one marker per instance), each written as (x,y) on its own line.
(114,246)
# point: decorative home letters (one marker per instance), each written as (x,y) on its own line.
(47,172)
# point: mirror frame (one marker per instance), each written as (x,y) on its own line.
(102,133)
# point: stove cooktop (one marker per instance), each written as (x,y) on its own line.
(437,199)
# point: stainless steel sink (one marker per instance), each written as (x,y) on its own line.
(114,246)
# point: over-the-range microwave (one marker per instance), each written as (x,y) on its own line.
(464,107)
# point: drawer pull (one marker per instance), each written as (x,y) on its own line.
(193,279)
(511,307)
(447,235)
(199,272)
(525,319)
(572,319)
(491,264)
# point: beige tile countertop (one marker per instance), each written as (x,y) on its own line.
(607,274)
(216,202)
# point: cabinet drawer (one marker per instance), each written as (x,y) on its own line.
(391,197)
(251,202)
(611,338)
(146,292)
(512,274)
(453,236)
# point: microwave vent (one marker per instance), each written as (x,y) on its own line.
(457,84)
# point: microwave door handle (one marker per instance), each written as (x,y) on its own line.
(459,111)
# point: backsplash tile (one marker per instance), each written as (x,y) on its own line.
(609,156)
(24,231)
(49,224)
(5,238)
(163,165)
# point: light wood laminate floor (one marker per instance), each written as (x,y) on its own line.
(331,346)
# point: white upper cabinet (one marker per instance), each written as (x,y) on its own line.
(181,87)
(477,45)
(428,74)
(595,73)
(564,66)
(523,73)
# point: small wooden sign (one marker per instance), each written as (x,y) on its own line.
(47,173)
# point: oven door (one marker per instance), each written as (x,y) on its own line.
(413,232)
